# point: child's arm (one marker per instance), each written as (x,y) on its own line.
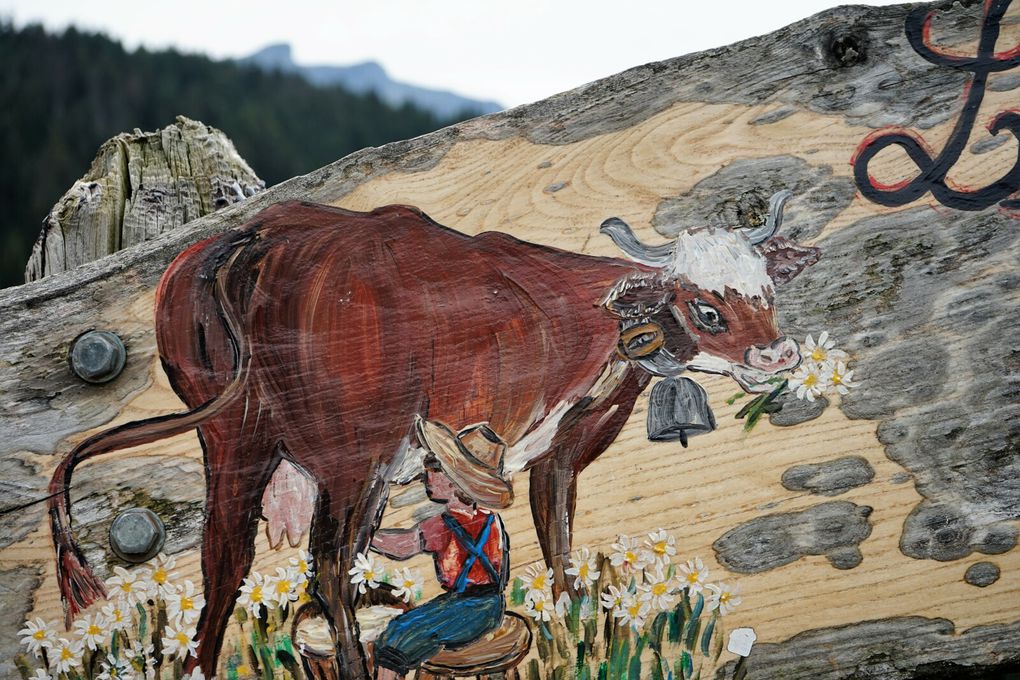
(399,544)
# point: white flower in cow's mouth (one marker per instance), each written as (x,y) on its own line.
(823,350)
(366,573)
(809,381)
(840,378)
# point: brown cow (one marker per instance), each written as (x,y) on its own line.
(315,335)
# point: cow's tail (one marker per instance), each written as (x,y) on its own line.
(79,586)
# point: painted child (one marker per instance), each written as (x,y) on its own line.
(468,543)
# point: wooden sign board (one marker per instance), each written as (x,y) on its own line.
(589,325)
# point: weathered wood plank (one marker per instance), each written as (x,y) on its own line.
(140,185)
(923,297)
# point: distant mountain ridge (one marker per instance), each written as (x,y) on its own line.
(370,76)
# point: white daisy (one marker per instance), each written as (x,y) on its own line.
(285,585)
(536,581)
(92,630)
(659,547)
(40,674)
(632,611)
(612,597)
(126,587)
(694,574)
(38,635)
(366,573)
(161,577)
(658,591)
(116,617)
(179,641)
(66,655)
(583,568)
(304,564)
(809,380)
(626,554)
(822,351)
(840,378)
(409,584)
(538,609)
(724,597)
(115,669)
(253,593)
(562,605)
(186,604)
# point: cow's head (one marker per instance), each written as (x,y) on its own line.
(706,302)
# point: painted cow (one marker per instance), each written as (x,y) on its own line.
(314,335)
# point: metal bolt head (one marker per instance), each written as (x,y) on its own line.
(97,356)
(137,535)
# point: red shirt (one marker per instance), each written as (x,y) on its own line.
(449,555)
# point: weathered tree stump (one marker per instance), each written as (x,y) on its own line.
(140,185)
(873,532)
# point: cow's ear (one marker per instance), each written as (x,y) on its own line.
(639,296)
(784,259)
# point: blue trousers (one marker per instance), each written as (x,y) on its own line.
(450,620)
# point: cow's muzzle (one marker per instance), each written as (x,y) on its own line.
(782,355)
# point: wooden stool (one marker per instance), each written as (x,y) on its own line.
(493,657)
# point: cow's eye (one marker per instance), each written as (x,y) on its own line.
(706,317)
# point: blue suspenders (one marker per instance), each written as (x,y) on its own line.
(475,548)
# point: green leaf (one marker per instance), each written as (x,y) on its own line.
(580,657)
(732,400)
(706,637)
(533,670)
(686,665)
(517,592)
(720,635)
(603,671)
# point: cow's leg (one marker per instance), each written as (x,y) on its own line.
(553,489)
(343,527)
(553,481)
(238,471)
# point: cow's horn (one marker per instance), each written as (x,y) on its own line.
(623,236)
(774,220)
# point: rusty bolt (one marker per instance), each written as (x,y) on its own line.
(137,535)
(97,356)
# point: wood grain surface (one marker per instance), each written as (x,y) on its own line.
(923,297)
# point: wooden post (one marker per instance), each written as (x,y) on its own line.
(872,529)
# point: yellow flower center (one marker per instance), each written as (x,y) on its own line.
(659,589)
(538,582)
(818,354)
(408,584)
(126,587)
(837,378)
(256,594)
(187,603)
(243,669)
(369,575)
(582,570)
(539,605)
(693,577)
(302,565)
(633,610)
(93,629)
(39,634)
(159,576)
(629,557)
(724,598)
(65,654)
(283,586)
(810,380)
(181,638)
(659,548)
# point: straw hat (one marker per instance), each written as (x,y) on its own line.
(471,458)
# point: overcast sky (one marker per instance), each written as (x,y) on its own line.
(512,51)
